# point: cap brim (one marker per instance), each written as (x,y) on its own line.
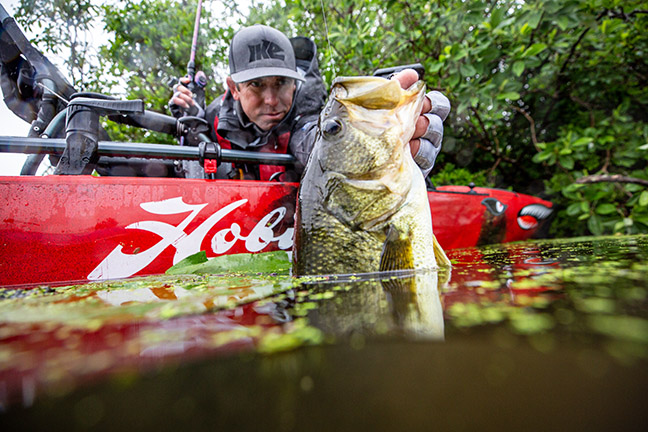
(251,74)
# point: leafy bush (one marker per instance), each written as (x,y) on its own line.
(550,97)
(451,175)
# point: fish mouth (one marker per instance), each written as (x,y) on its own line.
(531,215)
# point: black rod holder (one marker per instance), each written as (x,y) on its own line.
(143,150)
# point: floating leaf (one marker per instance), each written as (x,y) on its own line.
(191,260)
(621,327)
(266,262)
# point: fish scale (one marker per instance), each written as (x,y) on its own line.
(324,255)
(347,157)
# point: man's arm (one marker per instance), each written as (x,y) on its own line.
(302,139)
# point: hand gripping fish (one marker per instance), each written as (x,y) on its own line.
(363,204)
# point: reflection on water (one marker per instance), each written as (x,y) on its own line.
(516,318)
(378,305)
(587,291)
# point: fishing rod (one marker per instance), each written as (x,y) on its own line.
(197,80)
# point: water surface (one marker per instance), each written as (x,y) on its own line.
(537,335)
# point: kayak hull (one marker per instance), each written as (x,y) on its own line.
(63,229)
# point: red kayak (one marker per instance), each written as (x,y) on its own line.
(62,229)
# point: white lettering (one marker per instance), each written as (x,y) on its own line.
(219,242)
(259,237)
(119,264)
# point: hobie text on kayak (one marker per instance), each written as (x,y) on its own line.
(118,264)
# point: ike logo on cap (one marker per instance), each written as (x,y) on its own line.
(265,50)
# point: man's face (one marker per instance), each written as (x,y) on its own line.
(265,101)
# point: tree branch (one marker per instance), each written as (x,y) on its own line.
(534,137)
(572,52)
(622,15)
(606,163)
(585,105)
(485,137)
(615,178)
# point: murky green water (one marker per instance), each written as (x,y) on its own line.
(544,335)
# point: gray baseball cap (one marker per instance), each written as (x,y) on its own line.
(260,51)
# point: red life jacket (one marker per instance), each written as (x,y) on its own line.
(280,146)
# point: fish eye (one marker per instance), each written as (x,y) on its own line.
(332,127)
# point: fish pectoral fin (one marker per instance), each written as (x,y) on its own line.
(364,205)
(397,253)
(440,255)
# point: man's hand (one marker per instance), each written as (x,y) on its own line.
(182,102)
(428,133)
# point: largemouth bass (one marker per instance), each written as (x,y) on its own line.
(362,204)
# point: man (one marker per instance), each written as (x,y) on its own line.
(273,100)
(274,96)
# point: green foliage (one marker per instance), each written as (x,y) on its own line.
(148,44)
(61,27)
(449,174)
(151,44)
(544,92)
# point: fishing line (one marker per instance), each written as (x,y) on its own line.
(53,92)
(330,51)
